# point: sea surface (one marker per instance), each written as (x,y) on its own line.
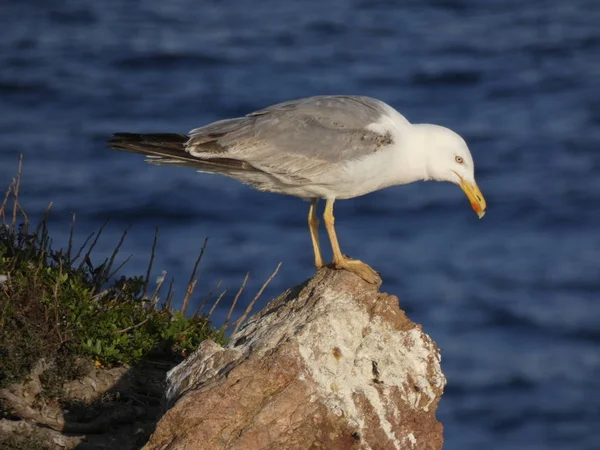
(512,300)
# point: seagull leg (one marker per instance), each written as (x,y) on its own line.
(339,260)
(313,226)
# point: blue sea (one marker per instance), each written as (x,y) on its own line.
(513,300)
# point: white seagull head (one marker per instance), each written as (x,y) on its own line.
(448,158)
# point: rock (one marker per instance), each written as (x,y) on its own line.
(97,382)
(331,364)
(19,431)
(99,410)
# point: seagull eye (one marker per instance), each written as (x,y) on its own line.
(459,159)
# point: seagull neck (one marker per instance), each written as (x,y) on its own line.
(411,156)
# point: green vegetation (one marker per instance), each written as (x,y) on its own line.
(57,305)
(64,318)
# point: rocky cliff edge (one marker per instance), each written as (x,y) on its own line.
(331,364)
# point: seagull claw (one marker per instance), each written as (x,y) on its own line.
(359,268)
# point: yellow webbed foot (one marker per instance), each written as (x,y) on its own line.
(359,268)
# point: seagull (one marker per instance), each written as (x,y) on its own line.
(324,147)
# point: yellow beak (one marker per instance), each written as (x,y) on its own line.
(475,196)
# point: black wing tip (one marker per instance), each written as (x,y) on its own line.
(151,137)
(122,140)
(160,144)
(119,141)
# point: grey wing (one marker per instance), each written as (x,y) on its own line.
(300,138)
